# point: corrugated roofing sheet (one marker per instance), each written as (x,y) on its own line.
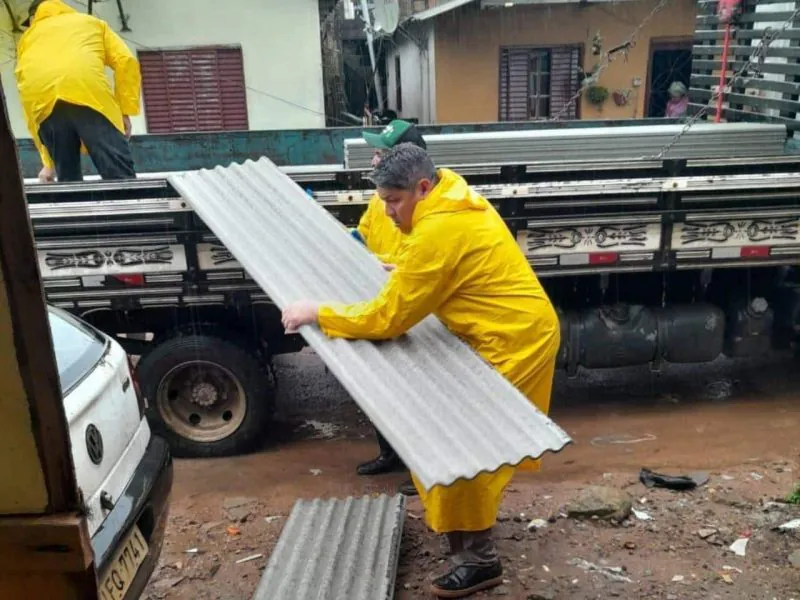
(446,412)
(336,550)
(442,8)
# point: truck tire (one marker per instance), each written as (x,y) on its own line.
(208,394)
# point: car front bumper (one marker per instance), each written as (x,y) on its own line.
(145,503)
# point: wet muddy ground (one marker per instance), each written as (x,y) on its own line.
(738,421)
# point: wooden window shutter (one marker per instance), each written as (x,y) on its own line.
(514,93)
(564,80)
(198,89)
(514,84)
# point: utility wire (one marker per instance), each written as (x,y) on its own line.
(609,56)
(759,52)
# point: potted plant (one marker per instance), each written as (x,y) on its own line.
(597,95)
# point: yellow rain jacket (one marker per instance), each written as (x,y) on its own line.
(63,56)
(461,263)
(381,235)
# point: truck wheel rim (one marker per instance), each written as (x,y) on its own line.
(201,401)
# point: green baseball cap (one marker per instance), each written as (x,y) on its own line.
(396,132)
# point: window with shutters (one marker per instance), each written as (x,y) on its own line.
(537,83)
(194,89)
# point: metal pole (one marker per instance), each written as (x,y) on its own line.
(371,47)
(723,72)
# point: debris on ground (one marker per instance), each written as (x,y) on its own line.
(322,431)
(609,440)
(792,525)
(649,553)
(739,547)
(238,509)
(207,528)
(672,482)
(729,568)
(170,582)
(315,472)
(706,533)
(612,573)
(641,515)
(602,502)
(241,561)
(537,524)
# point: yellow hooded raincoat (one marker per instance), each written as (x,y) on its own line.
(63,56)
(381,235)
(461,263)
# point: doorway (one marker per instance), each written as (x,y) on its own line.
(670,60)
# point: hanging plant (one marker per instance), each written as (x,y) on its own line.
(597,95)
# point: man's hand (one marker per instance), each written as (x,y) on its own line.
(126,121)
(298,314)
(47,175)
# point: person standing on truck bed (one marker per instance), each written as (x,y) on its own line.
(383,238)
(67,98)
(460,262)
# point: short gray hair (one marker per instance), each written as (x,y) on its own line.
(403,167)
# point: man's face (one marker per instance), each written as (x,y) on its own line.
(376,158)
(400,204)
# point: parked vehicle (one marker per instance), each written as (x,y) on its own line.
(663,261)
(123,471)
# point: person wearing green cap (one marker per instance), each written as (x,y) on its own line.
(382,237)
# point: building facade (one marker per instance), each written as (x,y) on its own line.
(209,65)
(476,61)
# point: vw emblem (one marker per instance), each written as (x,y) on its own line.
(94,444)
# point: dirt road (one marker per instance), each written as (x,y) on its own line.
(737,421)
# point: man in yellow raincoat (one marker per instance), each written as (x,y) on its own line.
(460,262)
(66,96)
(380,235)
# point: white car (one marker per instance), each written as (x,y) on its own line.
(124,473)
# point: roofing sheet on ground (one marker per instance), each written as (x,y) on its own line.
(447,412)
(336,550)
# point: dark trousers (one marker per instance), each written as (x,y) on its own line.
(472,548)
(69,125)
(384,445)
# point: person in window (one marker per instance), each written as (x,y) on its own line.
(383,238)
(68,101)
(460,262)
(678,101)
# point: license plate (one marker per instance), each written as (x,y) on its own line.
(120,573)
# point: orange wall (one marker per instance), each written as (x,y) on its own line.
(468,43)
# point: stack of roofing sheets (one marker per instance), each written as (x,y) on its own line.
(701,141)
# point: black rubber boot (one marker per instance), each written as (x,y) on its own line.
(465,580)
(387,462)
